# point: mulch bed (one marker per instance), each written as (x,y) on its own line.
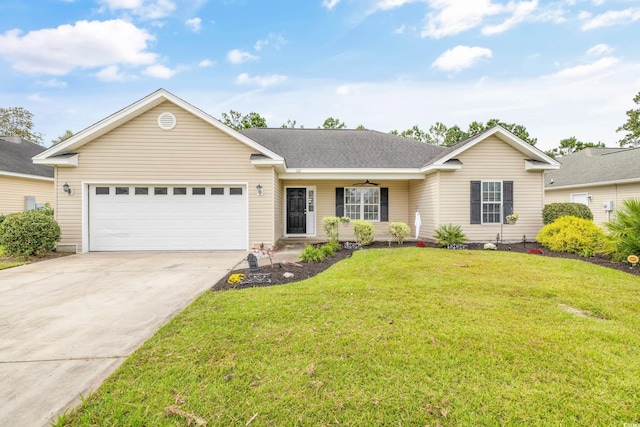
(302,271)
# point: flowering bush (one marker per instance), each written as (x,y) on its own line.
(420,244)
(235,278)
(535,251)
(512,217)
(490,247)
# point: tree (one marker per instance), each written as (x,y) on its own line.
(290,124)
(18,121)
(571,145)
(632,127)
(436,134)
(66,135)
(237,121)
(361,127)
(333,123)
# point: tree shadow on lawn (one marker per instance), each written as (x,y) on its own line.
(302,271)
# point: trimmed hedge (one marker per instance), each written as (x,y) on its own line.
(573,235)
(553,211)
(363,230)
(399,231)
(24,234)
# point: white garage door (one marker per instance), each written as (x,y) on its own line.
(167,217)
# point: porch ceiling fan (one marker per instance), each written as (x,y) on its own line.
(364,183)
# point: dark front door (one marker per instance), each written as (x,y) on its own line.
(296,210)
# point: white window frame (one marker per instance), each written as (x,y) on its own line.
(483,203)
(585,195)
(361,204)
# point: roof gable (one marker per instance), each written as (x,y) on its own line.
(540,158)
(134,110)
(15,158)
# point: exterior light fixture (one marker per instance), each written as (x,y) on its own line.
(67,189)
(259,190)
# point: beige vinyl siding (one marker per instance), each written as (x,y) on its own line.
(139,151)
(326,205)
(599,195)
(423,199)
(13,190)
(491,160)
(278,207)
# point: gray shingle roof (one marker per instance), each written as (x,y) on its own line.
(595,165)
(15,157)
(343,148)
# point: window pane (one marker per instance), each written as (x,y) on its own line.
(198,190)
(142,190)
(179,191)
(160,191)
(122,190)
(236,191)
(102,190)
(217,191)
(352,204)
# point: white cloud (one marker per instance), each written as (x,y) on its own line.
(194,24)
(330,4)
(54,83)
(610,18)
(599,49)
(588,69)
(205,63)
(237,56)
(400,30)
(159,72)
(391,4)
(86,44)
(111,74)
(456,16)
(520,12)
(263,81)
(460,58)
(451,17)
(36,97)
(145,9)
(274,40)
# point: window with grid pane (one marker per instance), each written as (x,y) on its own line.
(491,201)
(362,203)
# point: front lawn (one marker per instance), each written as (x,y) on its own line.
(5,263)
(394,337)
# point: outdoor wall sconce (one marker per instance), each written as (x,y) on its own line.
(259,190)
(67,189)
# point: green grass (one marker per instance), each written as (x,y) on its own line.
(394,337)
(7,264)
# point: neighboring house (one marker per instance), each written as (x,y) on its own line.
(22,184)
(163,175)
(601,178)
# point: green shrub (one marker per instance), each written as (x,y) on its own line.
(312,254)
(449,234)
(553,211)
(330,248)
(2,217)
(573,235)
(399,231)
(624,231)
(363,231)
(29,233)
(330,227)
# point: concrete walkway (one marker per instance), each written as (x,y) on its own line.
(68,323)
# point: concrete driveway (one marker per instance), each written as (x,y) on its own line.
(68,323)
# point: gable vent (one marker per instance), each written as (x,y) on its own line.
(167,121)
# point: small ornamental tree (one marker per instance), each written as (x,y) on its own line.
(330,227)
(399,231)
(363,231)
(24,234)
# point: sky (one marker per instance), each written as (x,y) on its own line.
(561,68)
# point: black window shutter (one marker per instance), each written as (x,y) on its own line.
(507,202)
(339,202)
(476,202)
(384,204)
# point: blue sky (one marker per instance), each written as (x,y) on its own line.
(561,68)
